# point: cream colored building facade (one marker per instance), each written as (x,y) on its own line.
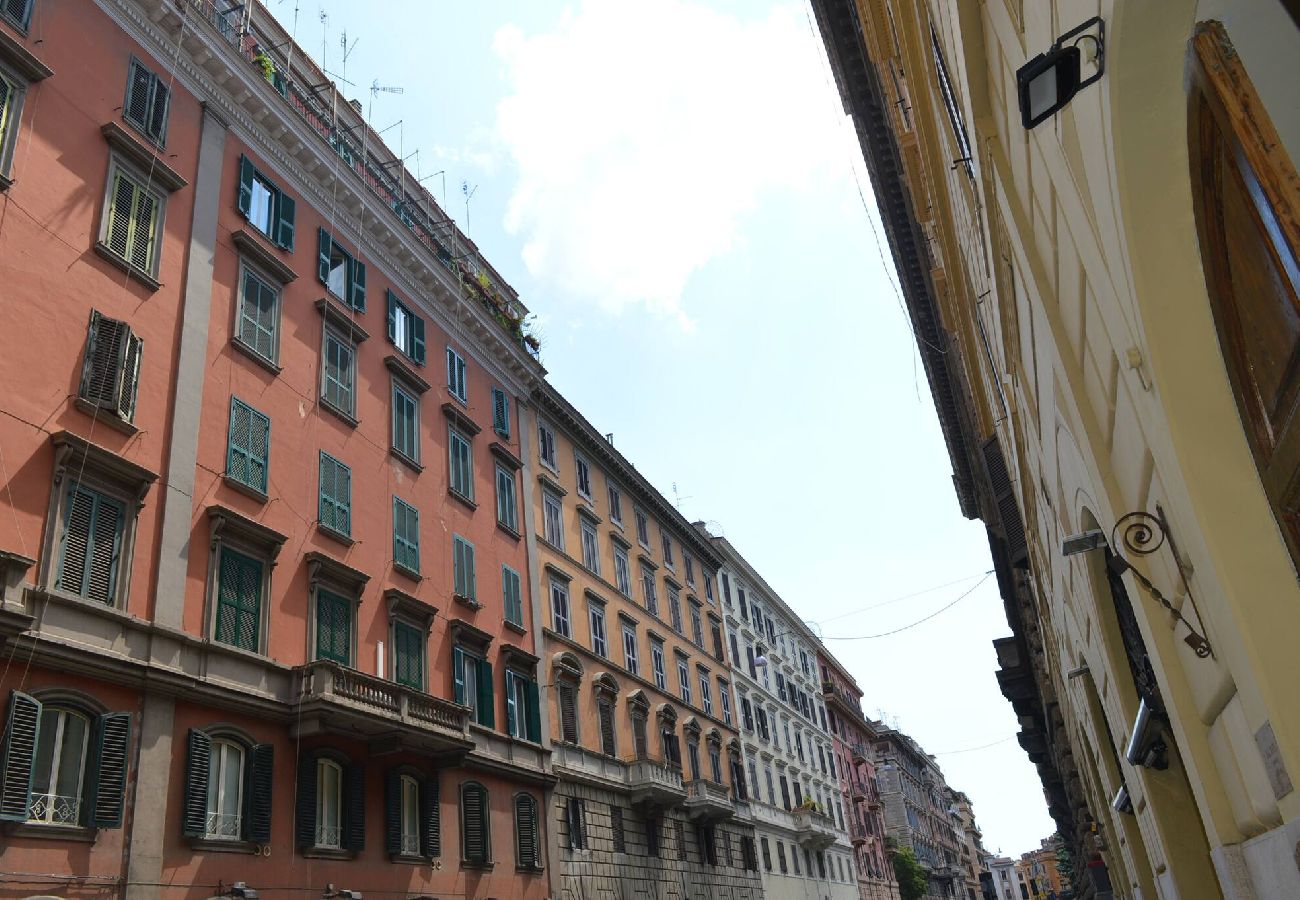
(1105,307)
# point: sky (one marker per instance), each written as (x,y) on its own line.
(675,192)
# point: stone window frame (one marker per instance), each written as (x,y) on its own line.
(410,610)
(228,529)
(566,670)
(325,572)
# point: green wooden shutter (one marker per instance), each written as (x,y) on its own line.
(357,284)
(406,536)
(417,339)
(474,819)
(158,102)
(198,763)
(92,533)
(335,507)
(239,600)
(284,227)
(354,806)
(324,247)
(430,817)
(392,317)
(22,730)
(533,711)
(486,703)
(143,227)
(568,703)
(244,201)
(333,628)
(101,370)
(526,845)
(458,675)
(248,445)
(304,820)
(408,653)
(513,714)
(260,781)
(500,412)
(108,792)
(393,812)
(136,108)
(126,399)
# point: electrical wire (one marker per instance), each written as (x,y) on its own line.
(928,590)
(942,609)
(973,749)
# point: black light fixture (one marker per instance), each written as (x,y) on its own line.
(1050,80)
(239,889)
(333,893)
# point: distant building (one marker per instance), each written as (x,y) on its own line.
(973,855)
(1005,883)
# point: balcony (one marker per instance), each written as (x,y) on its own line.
(857,832)
(858,789)
(708,801)
(655,786)
(860,753)
(333,699)
(812,829)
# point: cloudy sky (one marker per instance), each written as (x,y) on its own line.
(674,190)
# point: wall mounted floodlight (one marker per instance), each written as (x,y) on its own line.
(1050,80)
(1082,543)
(1122,803)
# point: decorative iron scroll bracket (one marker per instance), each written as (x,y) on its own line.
(1142,534)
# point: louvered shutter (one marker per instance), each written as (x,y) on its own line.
(354,807)
(392,316)
(244,200)
(357,293)
(616,826)
(486,702)
(458,675)
(304,822)
(324,247)
(121,208)
(500,412)
(417,339)
(392,812)
(22,729)
(145,223)
(430,817)
(107,795)
(568,713)
(284,229)
(198,766)
(513,713)
(157,125)
(260,780)
(606,712)
(20,11)
(138,93)
(473,813)
(639,736)
(1004,496)
(101,369)
(533,710)
(526,848)
(126,399)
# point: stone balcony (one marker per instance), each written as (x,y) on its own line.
(708,801)
(333,699)
(812,829)
(654,785)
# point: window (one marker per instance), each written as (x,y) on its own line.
(767,854)
(408,654)
(146,101)
(527,845)
(58,766)
(697,627)
(583,471)
(715,627)
(258,325)
(406,537)
(630,661)
(110,368)
(648,588)
(642,529)
(553,520)
(590,547)
(475,824)
(668,550)
(652,836)
(560,607)
(461,478)
(575,817)
(18,13)
(675,608)
(339,374)
(724,695)
(464,582)
(472,685)
(90,557)
(263,204)
(333,627)
(951,104)
(657,663)
(616,827)
(334,510)
(706,695)
(708,589)
(523,709)
(501,412)
(456,376)
(566,693)
(227,789)
(240,580)
(546,445)
(507,512)
(794,860)
(405,329)
(408,815)
(512,596)
(683,679)
(598,642)
(690,568)
(605,713)
(343,275)
(622,571)
(780,856)
(329,804)
(615,504)
(406,423)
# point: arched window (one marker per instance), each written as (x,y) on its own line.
(228,786)
(225,790)
(329,804)
(59,771)
(527,845)
(475,824)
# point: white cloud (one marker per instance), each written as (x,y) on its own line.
(644,133)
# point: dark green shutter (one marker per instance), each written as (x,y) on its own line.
(260,780)
(284,228)
(157,127)
(107,344)
(500,412)
(198,766)
(486,705)
(392,812)
(474,831)
(458,675)
(246,173)
(526,848)
(567,700)
(605,710)
(512,713)
(22,729)
(108,791)
(92,532)
(324,246)
(533,711)
(357,285)
(430,817)
(392,317)
(354,806)
(417,339)
(304,821)
(333,628)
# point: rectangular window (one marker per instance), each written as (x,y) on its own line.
(333,627)
(456,375)
(264,205)
(405,329)
(706,694)
(560,608)
(501,412)
(553,520)
(461,478)
(239,600)
(462,557)
(668,550)
(93,530)
(622,571)
(258,328)
(648,589)
(512,596)
(708,589)
(642,529)
(583,471)
(472,685)
(684,680)
(339,372)
(546,446)
(334,509)
(615,504)
(657,663)
(132,215)
(590,547)
(408,655)
(690,568)
(343,275)
(18,13)
(598,642)
(406,537)
(248,447)
(675,608)
(697,627)
(724,695)
(507,513)
(630,660)
(147,99)
(406,423)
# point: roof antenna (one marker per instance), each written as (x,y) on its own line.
(678,498)
(469,195)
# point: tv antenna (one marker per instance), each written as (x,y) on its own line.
(678,498)
(469,193)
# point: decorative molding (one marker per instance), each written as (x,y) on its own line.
(503,454)
(340,318)
(256,250)
(145,159)
(22,59)
(458,418)
(322,568)
(398,367)
(224,519)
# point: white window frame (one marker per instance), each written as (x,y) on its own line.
(333,838)
(559,594)
(615,497)
(684,679)
(582,476)
(553,520)
(457,378)
(49,818)
(467,489)
(622,571)
(226,831)
(328,333)
(631,654)
(507,476)
(590,545)
(546,450)
(599,632)
(410,815)
(246,268)
(658,666)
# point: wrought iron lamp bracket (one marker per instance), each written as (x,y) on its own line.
(1142,533)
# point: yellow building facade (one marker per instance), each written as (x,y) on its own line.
(1106,308)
